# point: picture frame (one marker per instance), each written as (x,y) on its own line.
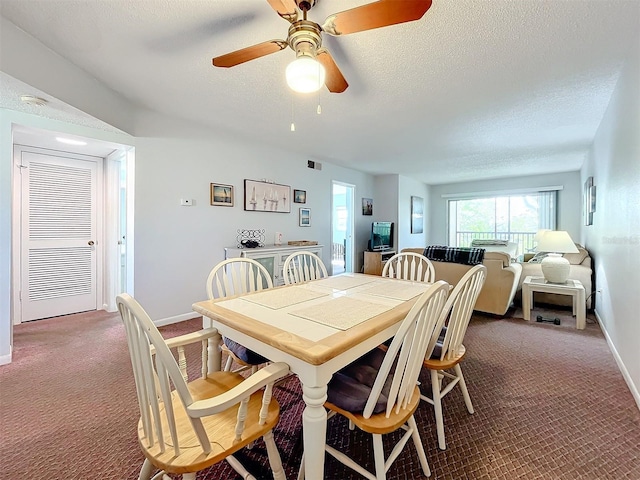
(417,214)
(589,201)
(266,197)
(299,196)
(305,217)
(367,206)
(221,195)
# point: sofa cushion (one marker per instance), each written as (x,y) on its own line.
(577,258)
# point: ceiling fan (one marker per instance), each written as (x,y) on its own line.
(314,66)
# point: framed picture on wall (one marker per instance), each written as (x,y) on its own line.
(221,195)
(367,206)
(266,197)
(305,217)
(299,196)
(417,214)
(589,201)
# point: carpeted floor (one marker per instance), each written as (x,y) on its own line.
(550,404)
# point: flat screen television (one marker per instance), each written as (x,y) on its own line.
(381,236)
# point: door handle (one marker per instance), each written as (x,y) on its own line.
(92,243)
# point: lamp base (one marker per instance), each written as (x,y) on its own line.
(555,268)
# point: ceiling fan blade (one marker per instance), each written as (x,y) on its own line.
(285,8)
(250,53)
(375,15)
(334,80)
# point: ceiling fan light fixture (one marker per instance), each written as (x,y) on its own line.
(305,75)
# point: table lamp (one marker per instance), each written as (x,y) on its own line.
(555,267)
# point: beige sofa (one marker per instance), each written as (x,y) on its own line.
(580,269)
(500,286)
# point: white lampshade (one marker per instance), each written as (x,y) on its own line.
(539,233)
(305,74)
(555,267)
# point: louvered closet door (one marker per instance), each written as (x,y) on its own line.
(58,235)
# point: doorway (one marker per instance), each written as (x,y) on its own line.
(342,201)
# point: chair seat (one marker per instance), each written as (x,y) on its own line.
(192,458)
(379,423)
(437,364)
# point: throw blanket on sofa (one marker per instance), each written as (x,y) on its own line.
(466,256)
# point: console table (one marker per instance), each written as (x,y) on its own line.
(571,287)
(272,257)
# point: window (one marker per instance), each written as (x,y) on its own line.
(515,217)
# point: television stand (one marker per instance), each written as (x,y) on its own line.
(374,261)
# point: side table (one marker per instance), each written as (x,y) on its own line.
(572,287)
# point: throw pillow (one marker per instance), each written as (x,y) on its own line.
(537,258)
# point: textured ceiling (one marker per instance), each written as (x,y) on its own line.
(475,89)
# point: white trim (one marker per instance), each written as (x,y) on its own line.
(493,193)
(6,359)
(175,319)
(623,369)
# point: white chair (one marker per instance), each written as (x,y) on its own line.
(409,266)
(303,267)
(379,394)
(447,349)
(236,276)
(187,426)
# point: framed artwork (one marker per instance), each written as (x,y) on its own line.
(367,206)
(305,217)
(299,196)
(589,195)
(266,197)
(417,215)
(221,195)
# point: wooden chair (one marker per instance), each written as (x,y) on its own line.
(379,394)
(234,277)
(448,350)
(410,266)
(302,267)
(187,426)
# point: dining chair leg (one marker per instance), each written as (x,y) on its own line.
(437,406)
(463,387)
(146,470)
(239,468)
(274,456)
(417,441)
(378,456)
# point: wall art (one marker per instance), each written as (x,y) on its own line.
(221,195)
(266,197)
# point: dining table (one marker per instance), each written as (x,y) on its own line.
(317,328)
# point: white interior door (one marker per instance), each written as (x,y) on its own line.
(59,232)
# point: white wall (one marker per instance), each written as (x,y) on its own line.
(409,187)
(614,237)
(176,246)
(569,200)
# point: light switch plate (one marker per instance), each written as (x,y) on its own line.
(186,202)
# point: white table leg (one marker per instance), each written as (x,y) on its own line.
(526,301)
(314,431)
(581,307)
(213,348)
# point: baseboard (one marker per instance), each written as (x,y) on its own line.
(175,319)
(621,366)
(6,359)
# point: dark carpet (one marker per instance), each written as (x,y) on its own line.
(550,404)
